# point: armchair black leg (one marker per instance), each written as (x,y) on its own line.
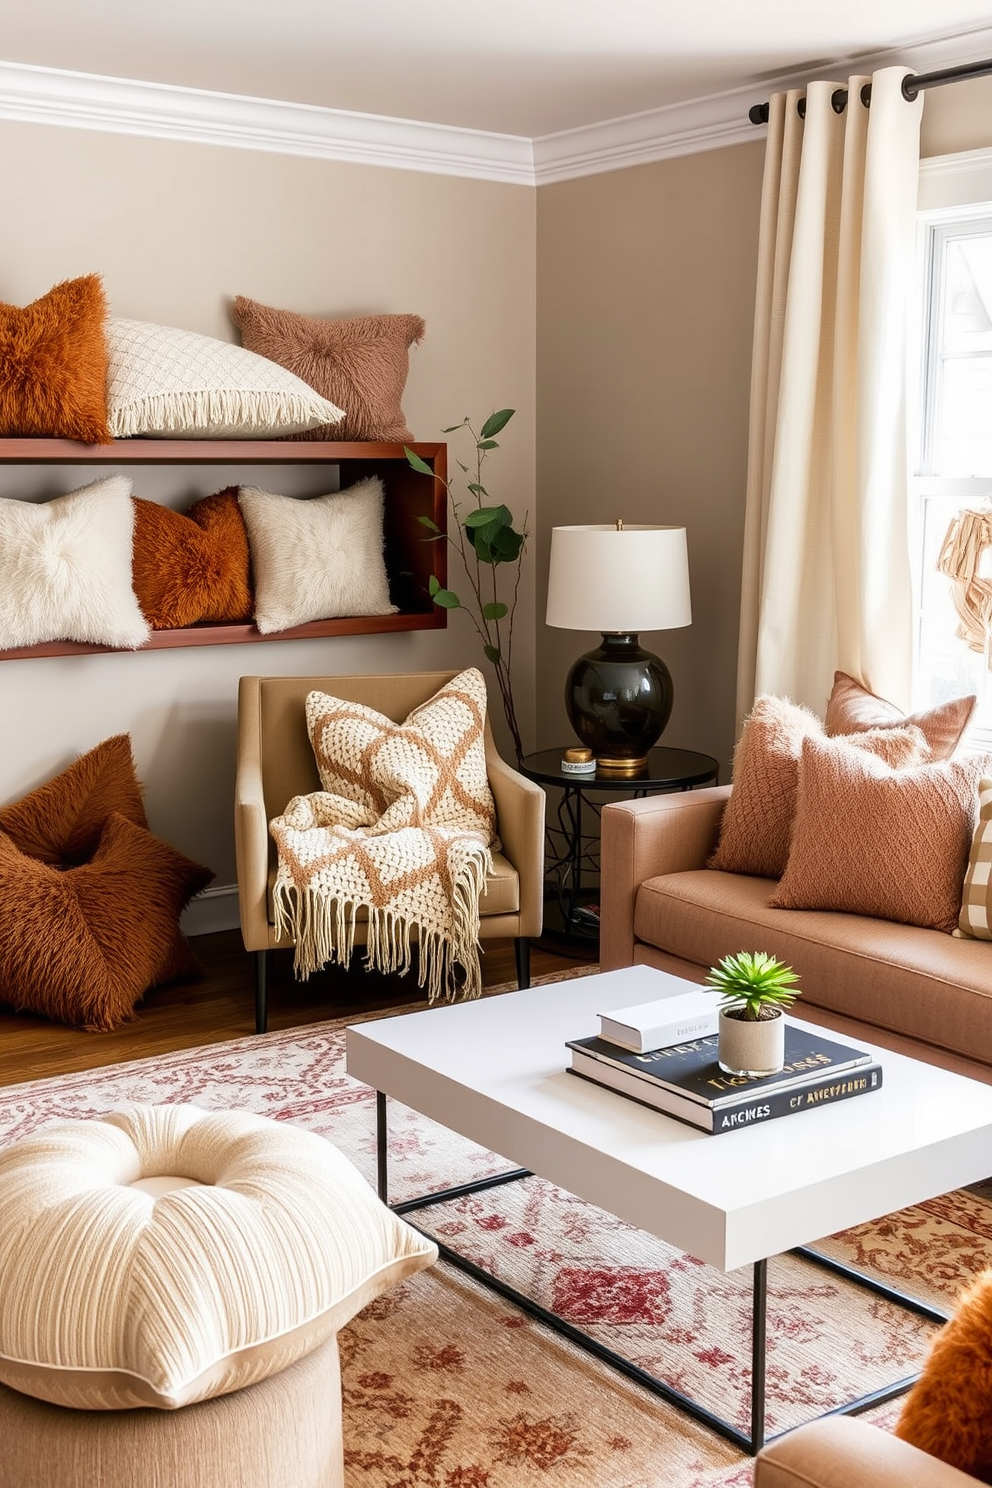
(261,999)
(521,951)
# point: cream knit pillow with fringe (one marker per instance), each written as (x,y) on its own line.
(167,383)
(161,1255)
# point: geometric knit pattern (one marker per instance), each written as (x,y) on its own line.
(167,382)
(975,919)
(403,830)
(757,823)
(869,840)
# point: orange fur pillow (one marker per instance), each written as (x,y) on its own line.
(359,364)
(53,364)
(948,1412)
(82,945)
(193,566)
(62,820)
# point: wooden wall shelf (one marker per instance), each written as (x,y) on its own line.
(410,560)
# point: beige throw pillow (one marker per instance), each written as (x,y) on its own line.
(161,1255)
(852,708)
(316,558)
(975,919)
(757,821)
(167,383)
(871,840)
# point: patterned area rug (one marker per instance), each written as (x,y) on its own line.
(447,1387)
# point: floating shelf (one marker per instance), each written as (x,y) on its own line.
(410,560)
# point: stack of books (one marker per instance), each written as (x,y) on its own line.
(685,1079)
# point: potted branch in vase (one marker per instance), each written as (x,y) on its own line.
(756,990)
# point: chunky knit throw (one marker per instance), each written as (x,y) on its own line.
(402,830)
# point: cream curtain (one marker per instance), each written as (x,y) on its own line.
(826,579)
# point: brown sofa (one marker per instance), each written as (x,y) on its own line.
(920,992)
(843,1452)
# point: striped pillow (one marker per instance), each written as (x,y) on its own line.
(975,919)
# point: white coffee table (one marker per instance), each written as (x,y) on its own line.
(494,1071)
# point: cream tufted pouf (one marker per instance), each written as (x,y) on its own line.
(163,1255)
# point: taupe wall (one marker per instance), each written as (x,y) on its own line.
(176,230)
(645,308)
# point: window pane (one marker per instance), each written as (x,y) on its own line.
(964,438)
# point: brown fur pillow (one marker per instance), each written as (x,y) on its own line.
(62,820)
(359,364)
(948,1412)
(193,566)
(81,945)
(53,364)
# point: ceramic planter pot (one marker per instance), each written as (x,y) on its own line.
(751,1048)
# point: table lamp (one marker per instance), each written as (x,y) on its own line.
(619,580)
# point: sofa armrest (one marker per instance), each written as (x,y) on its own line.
(520,805)
(251,827)
(843,1452)
(642,839)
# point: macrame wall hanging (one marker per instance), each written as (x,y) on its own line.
(966,559)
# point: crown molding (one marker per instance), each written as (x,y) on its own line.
(80,100)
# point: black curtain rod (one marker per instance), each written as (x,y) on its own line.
(912,84)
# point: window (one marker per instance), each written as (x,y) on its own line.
(954,449)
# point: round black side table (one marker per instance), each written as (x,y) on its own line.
(572,851)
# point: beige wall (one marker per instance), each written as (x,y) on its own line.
(957,117)
(645,306)
(176,230)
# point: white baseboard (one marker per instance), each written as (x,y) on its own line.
(215,909)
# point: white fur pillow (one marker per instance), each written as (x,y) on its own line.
(66,567)
(172,384)
(316,559)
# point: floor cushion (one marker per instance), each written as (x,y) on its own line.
(61,821)
(162,1255)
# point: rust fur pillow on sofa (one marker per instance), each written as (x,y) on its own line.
(948,1412)
(191,566)
(360,363)
(81,945)
(53,364)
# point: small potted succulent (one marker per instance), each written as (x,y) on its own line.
(756,990)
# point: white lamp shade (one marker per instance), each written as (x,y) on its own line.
(618,581)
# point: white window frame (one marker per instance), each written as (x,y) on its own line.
(954,190)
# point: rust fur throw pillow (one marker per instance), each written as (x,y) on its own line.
(62,821)
(82,945)
(193,566)
(53,364)
(360,364)
(948,1412)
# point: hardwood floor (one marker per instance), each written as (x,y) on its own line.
(222,1006)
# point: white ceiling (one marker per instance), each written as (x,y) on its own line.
(521,67)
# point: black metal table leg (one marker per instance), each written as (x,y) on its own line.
(381,1148)
(759,1340)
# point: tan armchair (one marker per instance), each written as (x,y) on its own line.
(275,763)
(843,1452)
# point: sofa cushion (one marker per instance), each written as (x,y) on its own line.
(925,985)
(975,919)
(851,708)
(875,841)
(757,825)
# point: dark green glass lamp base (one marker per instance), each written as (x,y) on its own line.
(619,699)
